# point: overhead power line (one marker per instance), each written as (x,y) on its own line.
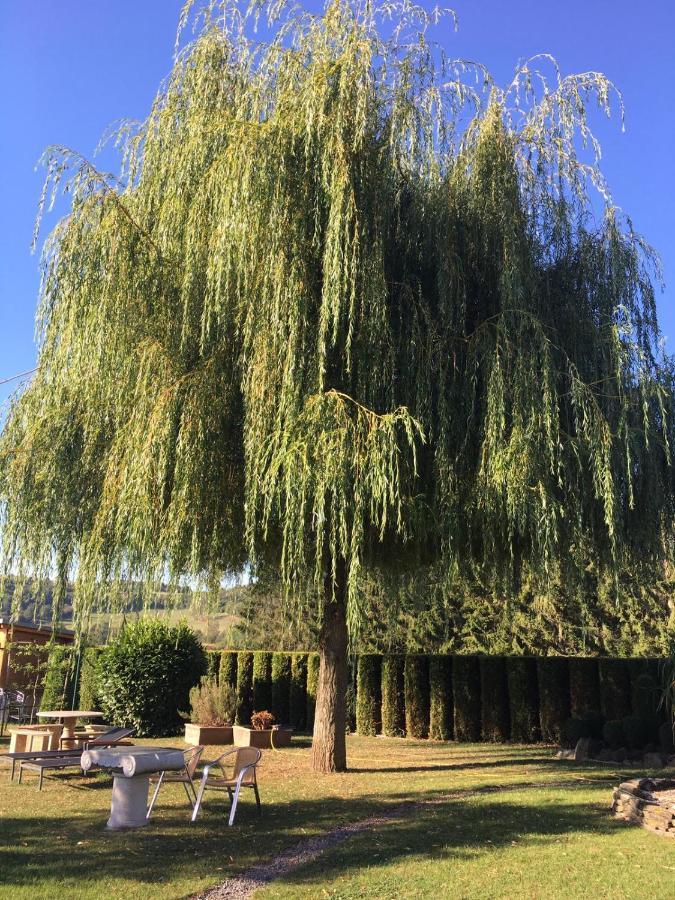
(18,375)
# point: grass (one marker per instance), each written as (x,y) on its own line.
(507,821)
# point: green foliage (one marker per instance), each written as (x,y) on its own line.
(416,690)
(312,685)
(523,697)
(613,734)
(346,301)
(615,689)
(588,725)
(244,687)
(554,696)
(393,697)
(637,731)
(368,698)
(666,737)
(466,698)
(584,685)
(145,676)
(212,663)
(212,703)
(89,674)
(297,713)
(262,680)
(281,686)
(227,669)
(441,725)
(59,678)
(495,720)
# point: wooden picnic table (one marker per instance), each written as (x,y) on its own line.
(68,718)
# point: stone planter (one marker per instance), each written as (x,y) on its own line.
(208,734)
(249,737)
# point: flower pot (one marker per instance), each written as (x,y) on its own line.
(208,734)
(263,739)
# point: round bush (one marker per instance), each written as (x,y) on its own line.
(145,676)
(636,731)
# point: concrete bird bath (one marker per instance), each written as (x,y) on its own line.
(131,768)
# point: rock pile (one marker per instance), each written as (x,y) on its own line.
(649,802)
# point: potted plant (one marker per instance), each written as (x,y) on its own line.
(263,733)
(212,708)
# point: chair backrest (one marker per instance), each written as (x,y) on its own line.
(246,756)
(112,736)
(191,757)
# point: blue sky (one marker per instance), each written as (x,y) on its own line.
(70,68)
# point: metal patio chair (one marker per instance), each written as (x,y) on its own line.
(191,756)
(244,763)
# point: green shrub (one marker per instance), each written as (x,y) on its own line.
(440,698)
(646,697)
(615,691)
(368,693)
(212,703)
(146,673)
(89,665)
(521,679)
(416,690)
(613,733)
(281,686)
(297,694)
(637,731)
(666,737)
(554,696)
(59,682)
(495,720)
(227,670)
(393,701)
(262,680)
(244,687)
(350,696)
(588,725)
(584,685)
(466,697)
(313,664)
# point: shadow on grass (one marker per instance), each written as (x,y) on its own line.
(44,851)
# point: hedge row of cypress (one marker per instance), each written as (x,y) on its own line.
(468,698)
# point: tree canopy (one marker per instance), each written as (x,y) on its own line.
(348,303)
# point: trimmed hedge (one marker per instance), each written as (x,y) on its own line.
(495,719)
(466,698)
(312,684)
(584,686)
(89,698)
(368,693)
(281,687)
(244,687)
(554,696)
(393,697)
(59,678)
(227,671)
(297,694)
(212,664)
(523,698)
(441,709)
(416,688)
(262,680)
(615,692)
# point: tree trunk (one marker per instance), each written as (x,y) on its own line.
(329,750)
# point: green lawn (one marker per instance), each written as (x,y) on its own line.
(508,821)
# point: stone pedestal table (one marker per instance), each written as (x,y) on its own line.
(131,768)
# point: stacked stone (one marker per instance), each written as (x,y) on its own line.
(638,801)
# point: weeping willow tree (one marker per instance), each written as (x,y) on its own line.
(348,305)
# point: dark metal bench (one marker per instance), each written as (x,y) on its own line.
(55,762)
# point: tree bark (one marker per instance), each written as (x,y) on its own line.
(329,750)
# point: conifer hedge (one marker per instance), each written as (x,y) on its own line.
(88,692)
(554,696)
(523,698)
(393,697)
(312,684)
(416,687)
(495,718)
(281,687)
(441,709)
(584,686)
(227,673)
(297,693)
(212,664)
(58,683)
(262,680)
(244,687)
(615,691)
(466,698)
(368,698)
